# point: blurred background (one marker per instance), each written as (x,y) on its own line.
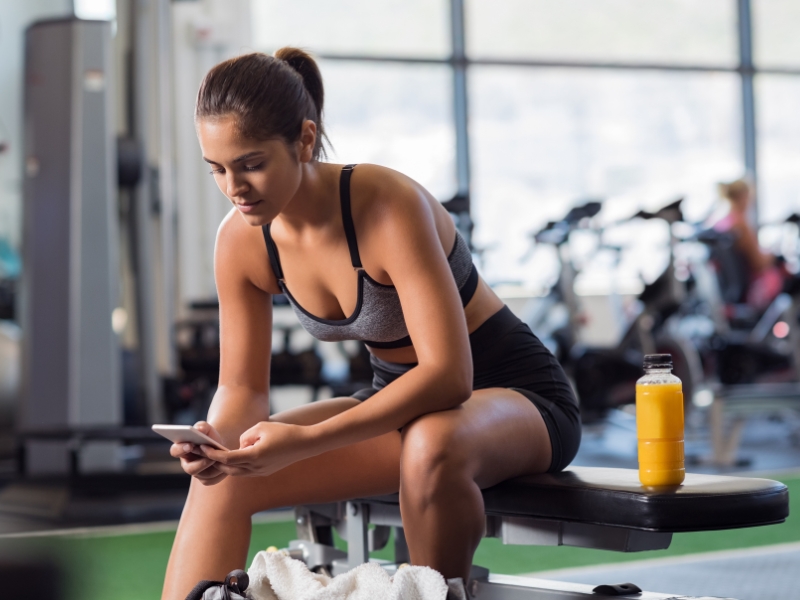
(579,146)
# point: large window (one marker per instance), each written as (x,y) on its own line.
(776,49)
(776,42)
(408,28)
(528,107)
(545,139)
(395,114)
(779,146)
(666,31)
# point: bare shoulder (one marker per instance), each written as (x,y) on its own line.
(383,197)
(390,208)
(240,253)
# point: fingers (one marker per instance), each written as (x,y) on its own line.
(192,460)
(196,467)
(209,430)
(204,427)
(251,436)
(231,457)
(181,450)
(219,456)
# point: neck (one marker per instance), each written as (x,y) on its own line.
(316,201)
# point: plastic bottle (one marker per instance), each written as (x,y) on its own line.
(659,423)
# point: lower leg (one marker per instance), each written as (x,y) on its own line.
(448,457)
(444,528)
(212,540)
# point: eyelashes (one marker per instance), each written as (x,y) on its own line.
(245,168)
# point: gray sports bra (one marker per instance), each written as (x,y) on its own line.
(378,317)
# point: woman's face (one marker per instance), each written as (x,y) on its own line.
(259,177)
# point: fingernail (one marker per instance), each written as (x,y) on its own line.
(187,447)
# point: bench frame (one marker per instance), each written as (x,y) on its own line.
(352,521)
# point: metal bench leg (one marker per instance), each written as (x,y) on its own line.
(401,553)
(357,534)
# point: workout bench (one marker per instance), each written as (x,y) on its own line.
(582,506)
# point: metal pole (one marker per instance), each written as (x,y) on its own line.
(747,70)
(166,182)
(460,97)
(357,534)
(460,204)
(142,210)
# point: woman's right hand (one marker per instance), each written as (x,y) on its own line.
(201,468)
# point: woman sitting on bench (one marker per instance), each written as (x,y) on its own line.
(464,395)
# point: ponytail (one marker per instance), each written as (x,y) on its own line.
(269,96)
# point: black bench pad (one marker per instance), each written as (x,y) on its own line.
(614,497)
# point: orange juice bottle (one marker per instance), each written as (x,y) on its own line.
(659,423)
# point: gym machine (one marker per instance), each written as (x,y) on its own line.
(70,356)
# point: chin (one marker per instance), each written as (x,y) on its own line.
(256,220)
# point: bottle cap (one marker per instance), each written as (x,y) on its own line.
(657,361)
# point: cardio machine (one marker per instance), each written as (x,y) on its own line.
(604,378)
(587,507)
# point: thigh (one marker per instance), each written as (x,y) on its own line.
(368,468)
(496,434)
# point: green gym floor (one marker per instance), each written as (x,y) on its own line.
(127,563)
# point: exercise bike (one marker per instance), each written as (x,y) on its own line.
(604,378)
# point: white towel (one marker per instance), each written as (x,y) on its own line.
(276,576)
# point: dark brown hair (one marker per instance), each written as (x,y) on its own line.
(269,96)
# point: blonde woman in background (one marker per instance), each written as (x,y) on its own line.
(766,277)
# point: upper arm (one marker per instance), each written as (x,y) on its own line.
(411,253)
(245,310)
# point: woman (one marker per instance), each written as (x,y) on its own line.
(464,396)
(766,279)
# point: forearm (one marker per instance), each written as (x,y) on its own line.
(418,392)
(236,409)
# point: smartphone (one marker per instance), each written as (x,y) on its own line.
(181,434)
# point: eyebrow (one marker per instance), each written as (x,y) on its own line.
(238,159)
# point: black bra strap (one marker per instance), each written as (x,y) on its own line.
(347,216)
(272,250)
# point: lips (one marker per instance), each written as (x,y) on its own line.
(247,207)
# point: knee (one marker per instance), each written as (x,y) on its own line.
(230,498)
(433,460)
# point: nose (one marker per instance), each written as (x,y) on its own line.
(235,186)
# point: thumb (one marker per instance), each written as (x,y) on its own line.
(251,436)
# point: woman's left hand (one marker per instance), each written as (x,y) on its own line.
(264,449)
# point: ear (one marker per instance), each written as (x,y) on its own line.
(307,141)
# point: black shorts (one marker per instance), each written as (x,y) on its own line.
(506,354)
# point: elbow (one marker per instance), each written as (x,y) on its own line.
(459,386)
(449,385)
